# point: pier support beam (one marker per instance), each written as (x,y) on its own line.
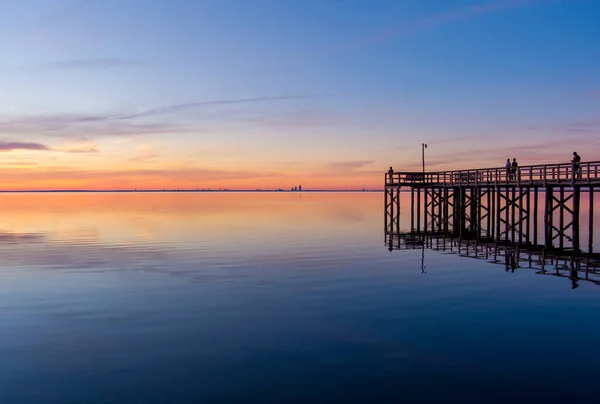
(412,209)
(591,221)
(548,215)
(575,227)
(392,210)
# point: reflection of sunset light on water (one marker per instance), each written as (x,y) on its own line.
(229,218)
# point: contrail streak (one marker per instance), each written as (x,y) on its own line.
(183,107)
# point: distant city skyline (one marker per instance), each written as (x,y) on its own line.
(149,94)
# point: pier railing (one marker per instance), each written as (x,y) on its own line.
(542,174)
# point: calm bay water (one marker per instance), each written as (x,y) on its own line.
(285,297)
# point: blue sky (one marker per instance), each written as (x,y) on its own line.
(327,93)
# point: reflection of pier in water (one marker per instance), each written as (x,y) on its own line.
(558,262)
(533,213)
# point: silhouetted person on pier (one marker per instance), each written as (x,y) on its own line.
(390,173)
(508,170)
(515,168)
(576,165)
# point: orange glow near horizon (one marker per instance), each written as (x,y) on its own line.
(17,178)
(119,183)
(103,171)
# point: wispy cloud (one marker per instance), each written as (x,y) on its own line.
(88,126)
(9,146)
(342,169)
(19,163)
(191,175)
(56,122)
(82,149)
(62,14)
(89,63)
(124,129)
(350,165)
(145,152)
(301,119)
(65,11)
(526,153)
(84,127)
(433,21)
(591,126)
(174,108)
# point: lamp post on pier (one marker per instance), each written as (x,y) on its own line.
(423,147)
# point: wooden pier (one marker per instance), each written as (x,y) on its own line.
(497,204)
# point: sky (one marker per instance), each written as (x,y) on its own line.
(327,94)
